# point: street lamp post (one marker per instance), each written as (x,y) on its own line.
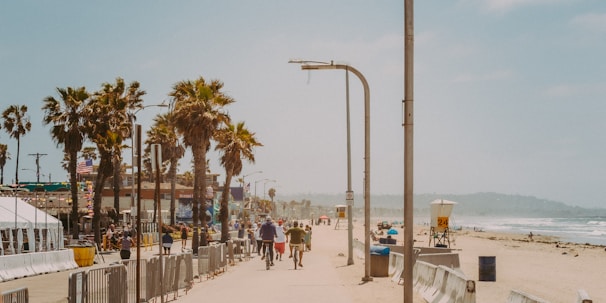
(133,117)
(316,65)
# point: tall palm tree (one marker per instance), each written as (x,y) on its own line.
(272,193)
(111,105)
(66,116)
(163,132)
(4,155)
(236,143)
(198,114)
(16,124)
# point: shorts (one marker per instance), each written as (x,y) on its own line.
(279,247)
(167,245)
(300,246)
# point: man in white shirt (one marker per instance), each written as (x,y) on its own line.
(280,240)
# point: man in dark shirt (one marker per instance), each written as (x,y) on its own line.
(268,233)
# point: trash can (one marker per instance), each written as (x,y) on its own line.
(84,255)
(379,261)
(487,269)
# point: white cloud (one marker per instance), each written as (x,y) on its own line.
(591,21)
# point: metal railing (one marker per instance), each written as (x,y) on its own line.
(20,295)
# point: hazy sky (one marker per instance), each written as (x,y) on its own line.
(509,96)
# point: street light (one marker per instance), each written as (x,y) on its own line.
(133,117)
(317,65)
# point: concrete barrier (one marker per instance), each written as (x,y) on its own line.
(448,259)
(449,286)
(15,266)
(516,296)
(436,290)
(583,297)
(396,266)
(39,263)
(458,288)
(424,274)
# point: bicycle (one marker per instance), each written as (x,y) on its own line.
(268,260)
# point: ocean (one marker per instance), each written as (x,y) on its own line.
(590,230)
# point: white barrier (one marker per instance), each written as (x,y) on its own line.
(516,296)
(583,297)
(15,266)
(31,264)
(458,288)
(64,259)
(424,274)
(450,286)
(436,290)
(396,266)
(39,263)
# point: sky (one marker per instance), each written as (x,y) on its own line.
(509,95)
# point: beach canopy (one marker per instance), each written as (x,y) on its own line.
(27,216)
(392,231)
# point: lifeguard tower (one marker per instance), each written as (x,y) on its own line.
(440,211)
(341,211)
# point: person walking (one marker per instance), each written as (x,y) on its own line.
(125,245)
(183,236)
(167,242)
(279,244)
(258,238)
(296,239)
(307,238)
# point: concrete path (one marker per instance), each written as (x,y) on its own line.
(249,281)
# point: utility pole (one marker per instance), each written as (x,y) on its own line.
(38,155)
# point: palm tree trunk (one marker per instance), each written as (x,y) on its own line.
(73,159)
(116,188)
(173,189)
(97,198)
(17,163)
(224,211)
(202,189)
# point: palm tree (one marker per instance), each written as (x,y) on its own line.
(68,130)
(111,105)
(198,114)
(236,143)
(4,155)
(16,124)
(272,193)
(163,132)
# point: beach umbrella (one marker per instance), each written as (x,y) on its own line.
(323,217)
(392,231)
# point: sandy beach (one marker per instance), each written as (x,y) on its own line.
(543,267)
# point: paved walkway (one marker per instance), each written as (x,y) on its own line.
(321,279)
(316,282)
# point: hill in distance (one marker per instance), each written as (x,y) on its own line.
(477,204)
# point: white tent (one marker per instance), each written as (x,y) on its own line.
(18,215)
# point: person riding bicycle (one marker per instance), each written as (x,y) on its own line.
(267,234)
(296,239)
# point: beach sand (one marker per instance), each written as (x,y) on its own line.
(544,267)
